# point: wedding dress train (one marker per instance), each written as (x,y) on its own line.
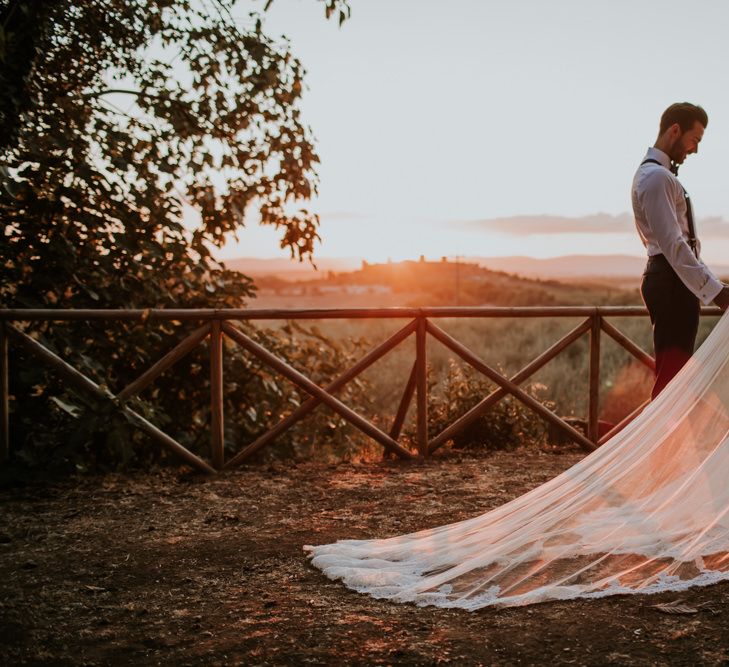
(646,512)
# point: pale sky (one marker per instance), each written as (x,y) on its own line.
(433,115)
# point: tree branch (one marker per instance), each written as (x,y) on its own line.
(124,91)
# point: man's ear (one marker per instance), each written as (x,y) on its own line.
(674,131)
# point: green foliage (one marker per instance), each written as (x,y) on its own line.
(118,117)
(505,425)
(509,343)
(257,399)
(80,433)
(93,189)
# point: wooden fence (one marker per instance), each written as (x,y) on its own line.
(213,325)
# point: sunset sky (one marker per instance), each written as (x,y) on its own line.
(437,122)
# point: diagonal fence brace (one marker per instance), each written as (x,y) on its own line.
(170,359)
(619,337)
(315,390)
(86,384)
(468,356)
(495,396)
(310,404)
(407,397)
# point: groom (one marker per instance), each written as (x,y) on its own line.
(675,278)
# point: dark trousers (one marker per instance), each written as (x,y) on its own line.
(674,312)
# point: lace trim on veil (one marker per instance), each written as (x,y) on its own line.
(645,513)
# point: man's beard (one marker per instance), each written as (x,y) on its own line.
(677,152)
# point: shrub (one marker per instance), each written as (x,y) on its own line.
(57,428)
(505,425)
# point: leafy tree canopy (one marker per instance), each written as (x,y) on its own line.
(115,116)
(118,113)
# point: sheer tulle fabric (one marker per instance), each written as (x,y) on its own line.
(647,512)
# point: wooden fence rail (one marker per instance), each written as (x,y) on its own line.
(217,324)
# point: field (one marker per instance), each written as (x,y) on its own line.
(505,344)
(428,283)
(508,345)
(177,569)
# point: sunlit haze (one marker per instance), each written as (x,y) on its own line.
(436,121)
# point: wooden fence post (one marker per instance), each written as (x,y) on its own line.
(4,396)
(217,453)
(422,386)
(594,388)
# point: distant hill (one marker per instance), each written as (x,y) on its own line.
(622,270)
(424,283)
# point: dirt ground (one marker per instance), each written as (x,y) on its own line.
(175,568)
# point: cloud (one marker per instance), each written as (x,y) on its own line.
(599,223)
(523,225)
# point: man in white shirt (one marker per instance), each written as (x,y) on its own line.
(675,279)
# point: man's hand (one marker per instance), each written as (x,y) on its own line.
(722,299)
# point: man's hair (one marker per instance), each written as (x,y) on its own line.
(685,114)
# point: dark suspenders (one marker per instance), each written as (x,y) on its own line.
(689,213)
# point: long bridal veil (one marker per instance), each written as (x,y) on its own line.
(646,512)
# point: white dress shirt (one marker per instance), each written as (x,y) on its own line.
(659,207)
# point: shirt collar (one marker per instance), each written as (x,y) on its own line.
(657,154)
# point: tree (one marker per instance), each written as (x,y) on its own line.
(203,99)
(118,116)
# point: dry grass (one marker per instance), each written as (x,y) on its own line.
(507,344)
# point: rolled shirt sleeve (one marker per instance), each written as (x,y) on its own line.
(658,201)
